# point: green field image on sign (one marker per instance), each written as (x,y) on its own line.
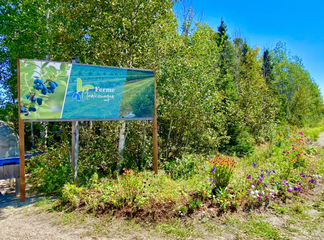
(138,95)
(42,88)
(94,92)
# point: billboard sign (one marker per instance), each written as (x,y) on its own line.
(60,91)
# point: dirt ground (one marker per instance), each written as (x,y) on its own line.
(26,221)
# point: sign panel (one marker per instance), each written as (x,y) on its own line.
(56,90)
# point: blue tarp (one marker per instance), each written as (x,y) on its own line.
(15,160)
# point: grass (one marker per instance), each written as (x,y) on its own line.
(313,132)
(263,229)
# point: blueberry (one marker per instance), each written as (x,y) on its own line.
(53,86)
(39,101)
(23,109)
(27,96)
(41,86)
(36,86)
(36,81)
(56,84)
(50,90)
(40,81)
(33,99)
(32,109)
(44,91)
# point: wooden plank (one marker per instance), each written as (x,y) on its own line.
(155,134)
(10,171)
(21,143)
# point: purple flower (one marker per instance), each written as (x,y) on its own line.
(267,197)
(301,192)
(289,189)
(295,189)
(210,184)
(302,174)
(214,180)
(260,198)
(265,185)
(183,186)
(284,152)
(287,152)
(198,155)
(262,176)
(254,165)
(213,169)
(301,133)
(311,181)
(261,170)
(273,171)
(249,177)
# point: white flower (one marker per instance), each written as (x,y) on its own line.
(252,186)
(256,191)
(263,192)
(252,193)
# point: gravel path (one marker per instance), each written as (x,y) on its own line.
(17,224)
(320,139)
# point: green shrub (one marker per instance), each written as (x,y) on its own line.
(222,171)
(49,171)
(183,168)
(71,194)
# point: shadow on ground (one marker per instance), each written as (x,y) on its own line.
(8,197)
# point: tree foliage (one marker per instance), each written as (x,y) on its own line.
(214,93)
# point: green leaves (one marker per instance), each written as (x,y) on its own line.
(79,85)
(86,87)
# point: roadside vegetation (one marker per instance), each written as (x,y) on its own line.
(236,124)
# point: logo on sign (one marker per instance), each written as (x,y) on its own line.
(80,89)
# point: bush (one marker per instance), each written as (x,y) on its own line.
(49,171)
(183,168)
(222,171)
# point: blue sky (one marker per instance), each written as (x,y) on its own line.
(300,24)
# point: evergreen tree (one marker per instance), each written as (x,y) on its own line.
(225,80)
(267,67)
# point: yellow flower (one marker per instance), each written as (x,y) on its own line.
(112,194)
(204,192)
(221,201)
(41,169)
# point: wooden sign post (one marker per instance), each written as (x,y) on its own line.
(21,143)
(155,136)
